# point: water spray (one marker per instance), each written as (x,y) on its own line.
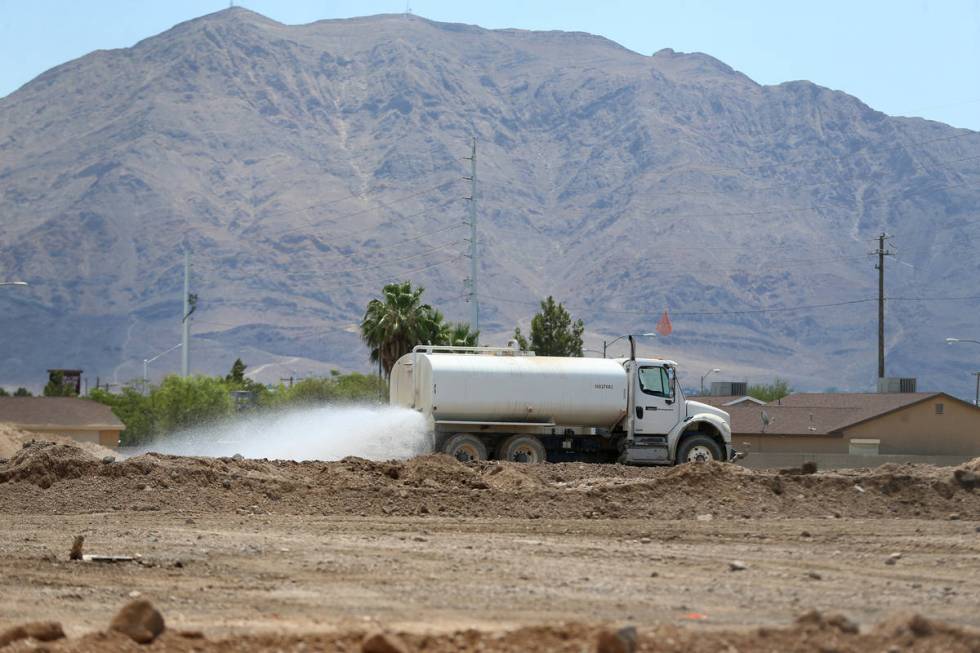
(322,433)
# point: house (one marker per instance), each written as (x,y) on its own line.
(80,419)
(723,401)
(859,424)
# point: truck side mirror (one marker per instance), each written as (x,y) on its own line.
(639,412)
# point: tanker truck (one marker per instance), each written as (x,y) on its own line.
(499,403)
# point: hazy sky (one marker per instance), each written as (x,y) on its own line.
(904,57)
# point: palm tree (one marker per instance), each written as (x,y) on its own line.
(392,326)
(458,334)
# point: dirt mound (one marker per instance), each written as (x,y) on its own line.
(972,466)
(812,632)
(45,463)
(75,480)
(12,440)
(437,471)
(511,478)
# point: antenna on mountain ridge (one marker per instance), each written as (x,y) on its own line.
(408,7)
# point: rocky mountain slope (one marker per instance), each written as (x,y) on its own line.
(307,165)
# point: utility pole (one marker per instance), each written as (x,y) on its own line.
(472,296)
(882,253)
(976,402)
(190,304)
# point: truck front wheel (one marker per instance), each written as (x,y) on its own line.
(465,448)
(698,449)
(522,449)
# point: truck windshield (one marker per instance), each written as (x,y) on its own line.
(654,381)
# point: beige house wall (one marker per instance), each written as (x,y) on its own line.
(109,438)
(918,430)
(915,430)
(775,443)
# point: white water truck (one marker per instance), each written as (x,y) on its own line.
(486,403)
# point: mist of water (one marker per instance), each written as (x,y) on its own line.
(323,433)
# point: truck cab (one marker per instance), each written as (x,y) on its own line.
(662,426)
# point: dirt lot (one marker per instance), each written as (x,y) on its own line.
(259,555)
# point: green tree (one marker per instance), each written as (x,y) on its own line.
(457,334)
(312,390)
(453,334)
(778,389)
(56,386)
(183,402)
(393,325)
(4,393)
(236,380)
(336,389)
(237,373)
(133,409)
(360,388)
(22,392)
(553,332)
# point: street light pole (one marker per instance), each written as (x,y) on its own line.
(953,341)
(605,345)
(706,375)
(147,361)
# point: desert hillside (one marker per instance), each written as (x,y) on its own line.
(307,165)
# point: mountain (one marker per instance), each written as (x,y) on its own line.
(306,165)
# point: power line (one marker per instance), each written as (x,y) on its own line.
(781,309)
(690,313)
(373,266)
(253,228)
(667,220)
(365,229)
(813,207)
(756,189)
(391,279)
(778,309)
(350,214)
(391,245)
(934,299)
(833,157)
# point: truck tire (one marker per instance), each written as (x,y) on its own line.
(698,449)
(522,449)
(465,447)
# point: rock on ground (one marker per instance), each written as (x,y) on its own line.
(139,621)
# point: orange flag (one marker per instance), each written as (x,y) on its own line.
(663,326)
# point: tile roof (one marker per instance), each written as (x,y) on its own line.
(724,401)
(713,400)
(822,413)
(880,401)
(57,412)
(788,420)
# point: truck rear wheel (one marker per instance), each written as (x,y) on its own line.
(698,449)
(465,447)
(522,449)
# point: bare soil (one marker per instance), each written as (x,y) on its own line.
(13,440)
(272,555)
(63,478)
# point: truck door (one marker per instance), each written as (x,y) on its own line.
(656,407)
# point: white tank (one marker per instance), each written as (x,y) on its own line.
(507,388)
